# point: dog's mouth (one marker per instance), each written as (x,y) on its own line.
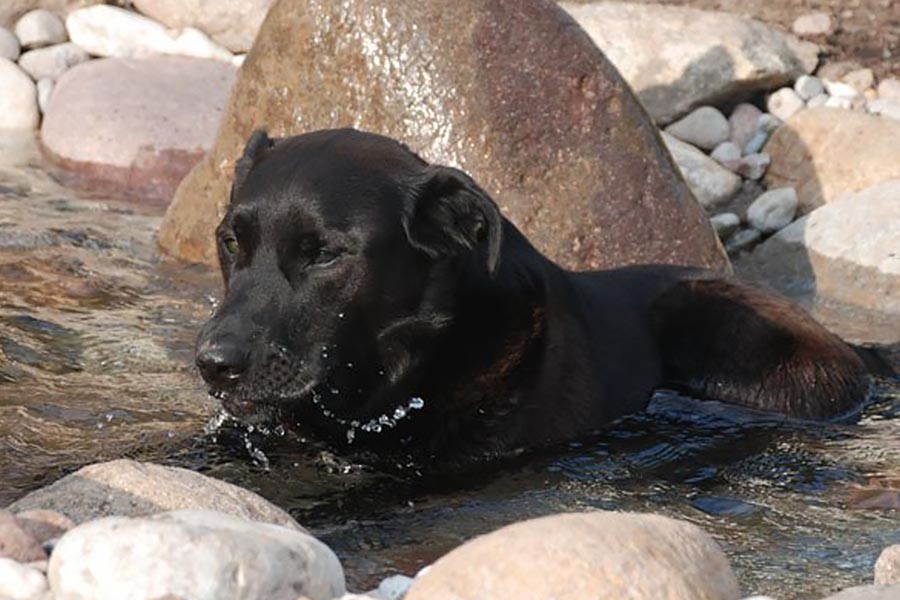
(251,406)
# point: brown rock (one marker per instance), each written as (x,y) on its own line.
(44,525)
(514,93)
(16,542)
(599,555)
(135,126)
(827,153)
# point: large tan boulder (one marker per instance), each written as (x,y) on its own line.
(598,555)
(827,153)
(513,92)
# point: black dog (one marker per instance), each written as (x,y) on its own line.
(384,303)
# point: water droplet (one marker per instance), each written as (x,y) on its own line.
(351,435)
(340,315)
(399,412)
(349,365)
(334,391)
(416,403)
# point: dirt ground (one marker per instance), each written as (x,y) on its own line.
(867,32)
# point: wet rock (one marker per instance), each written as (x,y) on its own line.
(752,166)
(743,122)
(20,582)
(743,240)
(725,224)
(889,89)
(232,23)
(195,554)
(44,525)
(170,107)
(129,488)
(726,152)
(860,79)
(704,127)
(18,102)
(785,103)
(16,542)
(846,249)
(808,87)
(868,592)
(589,555)
(115,32)
(773,210)
(44,89)
(52,61)
(524,102)
(711,183)
(887,567)
(9,45)
(678,58)
(40,28)
(814,23)
(826,153)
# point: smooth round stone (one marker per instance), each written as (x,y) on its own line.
(860,79)
(743,122)
(839,89)
(18,101)
(773,210)
(743,240)
(40,28)
(20,582)
(808,87)
(725,224)
(785,103)
(711,183)
(817,101)
(44,90)
(9,44)
(52,61)
(753,166)
(704,127)
(726,152)
(839,102)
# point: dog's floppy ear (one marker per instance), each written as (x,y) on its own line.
(447,214)
(259,140)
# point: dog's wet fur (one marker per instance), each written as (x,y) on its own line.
(382,303)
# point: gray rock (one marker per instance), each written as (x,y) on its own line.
(744,121)
(679,58)
(868,592)
(393,588)
(711,183)
(197,554)
(16,542)
(725,224)
(773,210)
(887,567)
(9,44)
(20,582)
(52,61)
(129,488)
(704,127)
(859,79)
(785,103)
(889,89)
(115,32)
(752,166)
(814,23)
(44,89)
(232,23)
(887,107)
(764,127)
(44,525)
(170,106)
(726,152)
(743,240)
(18,101)
(40,28)
(816,101)
(808,87)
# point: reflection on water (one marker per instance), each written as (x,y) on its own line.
(95,343)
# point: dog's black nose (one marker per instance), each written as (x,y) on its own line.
(222,365)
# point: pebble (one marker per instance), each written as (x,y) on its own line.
(44,89)
(16,542)
(839,102)
(785,103)
(753,166)
(817,101)
(743,240)
(20,582)
(725,224)
(704,127)
(765,126)
(52,61)
(886,107)
(860,79)
(889,89)
(814,23)
(744,121)
(9,44)
(725,152)
(773,210)
(808,87)
(839,89)
(887,567)
(711,183)
(40,28)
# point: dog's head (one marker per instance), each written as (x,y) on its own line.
(339,251)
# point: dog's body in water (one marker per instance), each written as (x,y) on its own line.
(381,303)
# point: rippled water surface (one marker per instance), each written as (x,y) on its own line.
(95,343)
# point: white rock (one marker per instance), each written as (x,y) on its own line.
(726,152)
(784,103)
(815,23)
(18,100)
(20,582)
(704,127)
(115,32)
(725,224)
(9,44)
(817,101)
(889,89)
(200,555)
(886,107)
(711,183)
(40,28)
(859,79)
(393,588)
(52,61)
(773,210)
(44,89)
(839,102)
(238,60)
(808,87)
(839,89)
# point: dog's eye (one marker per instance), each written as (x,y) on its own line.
(231,245)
